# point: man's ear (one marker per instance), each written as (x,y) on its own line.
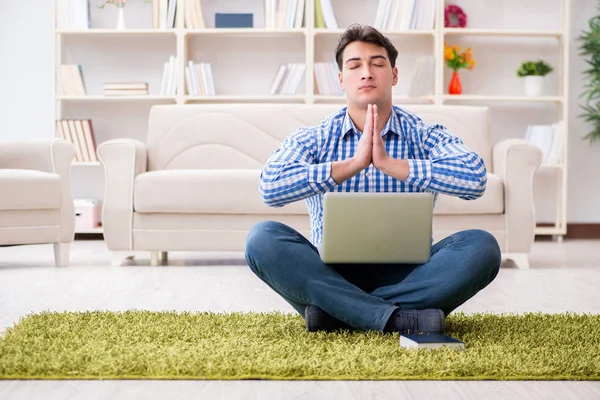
(395,76)
(341,79)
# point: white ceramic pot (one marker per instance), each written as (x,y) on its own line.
(121,18)
(534,85)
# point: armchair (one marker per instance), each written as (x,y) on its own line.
(36,205)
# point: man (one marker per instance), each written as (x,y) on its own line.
(370,146)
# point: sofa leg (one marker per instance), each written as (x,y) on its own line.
(164,257)
(154,258)
(61,254)
(520,259)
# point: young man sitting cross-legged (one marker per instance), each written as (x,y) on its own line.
(401,153)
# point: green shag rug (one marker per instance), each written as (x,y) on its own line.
(172,345)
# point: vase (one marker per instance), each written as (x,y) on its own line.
(121,18)
(455,86)
(534,85)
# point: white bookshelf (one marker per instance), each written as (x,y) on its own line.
(244,62)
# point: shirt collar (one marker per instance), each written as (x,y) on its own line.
(393,125)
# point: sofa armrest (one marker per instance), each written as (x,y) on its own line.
(122,160)
(52,156)
(515,161)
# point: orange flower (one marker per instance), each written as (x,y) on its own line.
(455,59)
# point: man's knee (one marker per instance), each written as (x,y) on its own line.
(486,248)
(264,232)
(489,252)
(261,240)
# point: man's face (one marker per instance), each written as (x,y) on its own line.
(367,75)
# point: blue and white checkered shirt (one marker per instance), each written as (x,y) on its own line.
(439,162)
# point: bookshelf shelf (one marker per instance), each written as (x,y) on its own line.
(245,32)
(92,98)
(248,98)
(115,32)
(500,32)
(515,99)
(338,32)
(245,62)
(396,99)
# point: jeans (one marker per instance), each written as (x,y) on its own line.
(365,296)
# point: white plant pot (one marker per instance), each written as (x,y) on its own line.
(534,85)
(121,18)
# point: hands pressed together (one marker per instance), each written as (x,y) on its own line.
(371,148)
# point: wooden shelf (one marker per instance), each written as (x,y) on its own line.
(248,98)
(485,98)
(115,32)
(338,32)
(395,99)
(245,32)
(500,32)
(117,98)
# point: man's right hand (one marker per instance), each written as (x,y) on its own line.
(364,152)
(346,169)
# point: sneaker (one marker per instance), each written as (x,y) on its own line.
(420,321)
(319,320)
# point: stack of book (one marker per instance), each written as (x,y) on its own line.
(81,134)
(326,75)
(403,15)
(287,79)
(125,88)
(284,14)
(168,85)
(199,79)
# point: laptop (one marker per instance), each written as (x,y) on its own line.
(363,227)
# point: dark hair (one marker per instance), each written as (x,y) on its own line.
(368,34)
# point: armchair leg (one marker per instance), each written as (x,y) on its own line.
(520,259)
(164,257)
(61,254)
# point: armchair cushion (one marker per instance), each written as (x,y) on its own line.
(492,201)
(24,189)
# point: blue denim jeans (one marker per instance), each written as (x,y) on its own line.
(364,296)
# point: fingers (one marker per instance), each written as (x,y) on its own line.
(376,129)
(368,121)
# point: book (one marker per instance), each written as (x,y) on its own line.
(430,341)
(230,20)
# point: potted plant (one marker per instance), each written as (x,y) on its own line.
(120,4)
(590,46)
(534,72)
(455,59)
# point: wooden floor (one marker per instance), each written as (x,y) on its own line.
(563,277)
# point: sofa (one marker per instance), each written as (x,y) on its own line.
(36,205)
(193,185)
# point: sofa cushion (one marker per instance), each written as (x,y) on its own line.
(26,189)
(492,201)
(233,191)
